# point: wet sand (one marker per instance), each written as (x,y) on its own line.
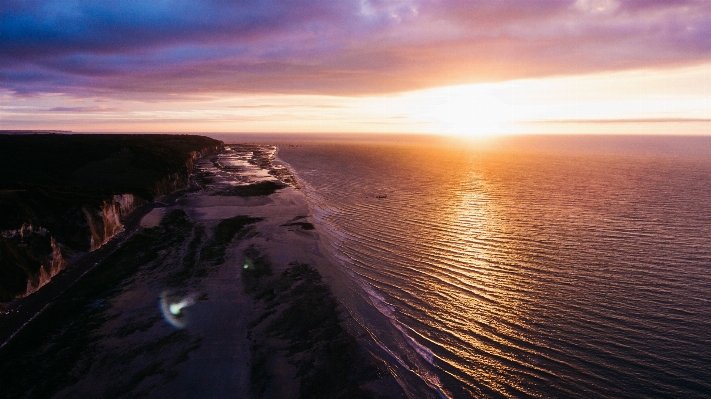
(218,294)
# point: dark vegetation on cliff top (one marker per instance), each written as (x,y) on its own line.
(45,175)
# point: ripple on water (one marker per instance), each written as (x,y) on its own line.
(514,274)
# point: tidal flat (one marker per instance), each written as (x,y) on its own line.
(221,297)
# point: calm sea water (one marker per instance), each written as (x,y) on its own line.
(536,267)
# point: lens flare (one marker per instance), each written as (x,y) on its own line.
(172,311)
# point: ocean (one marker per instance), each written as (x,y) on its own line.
(522,267)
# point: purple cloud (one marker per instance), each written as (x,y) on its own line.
(84,109)
(334,47)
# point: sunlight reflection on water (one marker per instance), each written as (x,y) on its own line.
(520,273)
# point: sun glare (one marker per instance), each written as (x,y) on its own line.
(665,101)
(468,110)
(570,104)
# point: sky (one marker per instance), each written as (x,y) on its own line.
(462,67)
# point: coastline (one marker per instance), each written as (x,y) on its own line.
(368,318)
(255,318)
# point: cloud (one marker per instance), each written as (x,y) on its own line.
(622,121)
(597,6)
(84,109)
(347,47)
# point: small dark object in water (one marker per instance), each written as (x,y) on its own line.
(381,196)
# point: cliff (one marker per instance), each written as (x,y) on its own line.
(106,221)
(65,194)
(29,258)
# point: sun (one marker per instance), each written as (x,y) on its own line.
(470,110)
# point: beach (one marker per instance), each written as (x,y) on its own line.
(218,293)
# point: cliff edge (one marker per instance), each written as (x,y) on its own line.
(62,194)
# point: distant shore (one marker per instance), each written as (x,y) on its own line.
(35,131)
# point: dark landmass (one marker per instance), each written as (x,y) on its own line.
(253,190)
(97,164)
(35,131)
(62,194)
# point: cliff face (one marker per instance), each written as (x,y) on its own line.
(56,264)
(171,183)
(30,255)
(194,155)
(106,221)
(179,181)
(29,258)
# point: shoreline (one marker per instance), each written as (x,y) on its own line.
(245,310)
(363,319)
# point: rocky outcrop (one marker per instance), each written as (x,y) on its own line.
(171,183)
(57,263)
(107,221)
(29,258)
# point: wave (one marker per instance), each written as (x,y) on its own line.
(481,265)
(410,354)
